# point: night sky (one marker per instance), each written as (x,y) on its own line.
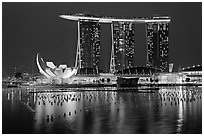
(29,28)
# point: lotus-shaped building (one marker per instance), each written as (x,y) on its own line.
(49,69)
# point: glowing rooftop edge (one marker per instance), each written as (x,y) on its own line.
(110,20)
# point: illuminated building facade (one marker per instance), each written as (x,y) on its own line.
(122,30)
(123,44)
(89,44)
(158,45)
(49,70)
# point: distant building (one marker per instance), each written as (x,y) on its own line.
(88,51)
(189,75)
(158,45)
(170,78)
(123,44)
(193,74)
(171,65)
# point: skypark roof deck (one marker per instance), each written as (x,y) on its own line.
(103,19)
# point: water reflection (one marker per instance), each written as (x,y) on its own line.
(170,110)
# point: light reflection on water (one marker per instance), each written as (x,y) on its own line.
(169,110)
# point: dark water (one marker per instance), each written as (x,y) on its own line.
(168,110)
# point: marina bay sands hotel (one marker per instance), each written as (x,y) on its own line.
(122,34)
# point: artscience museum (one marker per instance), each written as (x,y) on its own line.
(51,71)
